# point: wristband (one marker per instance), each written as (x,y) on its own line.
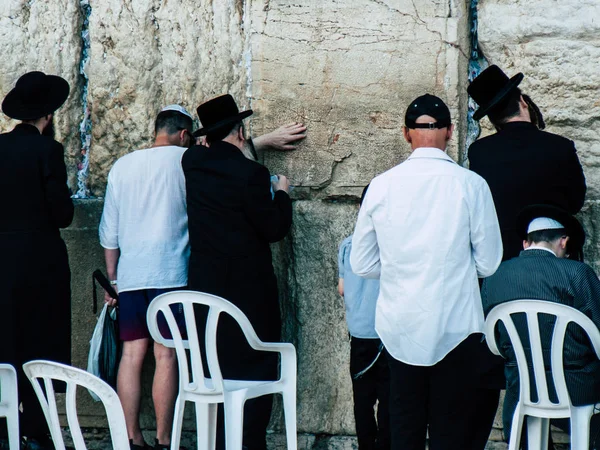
(113,282)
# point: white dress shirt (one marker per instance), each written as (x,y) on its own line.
(427,228)
(145,216)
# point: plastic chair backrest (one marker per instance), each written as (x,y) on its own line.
(46,371)
(532,308)
(199,382)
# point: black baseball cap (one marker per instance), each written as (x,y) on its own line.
(427,105)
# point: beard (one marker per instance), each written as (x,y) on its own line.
(48,130)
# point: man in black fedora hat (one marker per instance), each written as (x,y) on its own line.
(543,271)
(233,217)
(34,273)
(523,165)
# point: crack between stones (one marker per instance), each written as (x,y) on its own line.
(477,63)
(85,126)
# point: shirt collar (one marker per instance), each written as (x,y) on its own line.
(430,153)
(539,247)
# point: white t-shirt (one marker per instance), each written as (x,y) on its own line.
(145,216)
(427,229)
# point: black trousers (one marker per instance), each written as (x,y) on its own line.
(370,384)
(438,398)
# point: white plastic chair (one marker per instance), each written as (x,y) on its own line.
(205,392)
(541,411)
(47,371)
(9,403)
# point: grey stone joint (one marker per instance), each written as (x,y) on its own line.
(85,127)
(477,63)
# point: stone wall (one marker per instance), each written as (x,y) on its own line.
(346,68)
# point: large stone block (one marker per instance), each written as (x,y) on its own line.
(146,54)
(45,36)
(321,335)
(348,70)
(556,45)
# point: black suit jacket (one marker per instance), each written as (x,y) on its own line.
(34,271)
(232,219)
(523,166)
(539,275)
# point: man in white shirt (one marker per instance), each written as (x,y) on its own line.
(144,232)
(428,229)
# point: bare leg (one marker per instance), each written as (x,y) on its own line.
(164,391)
(129,380)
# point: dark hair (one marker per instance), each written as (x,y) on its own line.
(221,133)
(546,235)
(172,122)
(364,194)
(506,109)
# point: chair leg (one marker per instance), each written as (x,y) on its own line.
(234,421)
(516,430)
(289,409)
(534,433)
(212,425)
(580,427)
(12,425)
(177,423)
(206,425)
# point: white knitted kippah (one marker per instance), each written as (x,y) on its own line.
(543,223)
(178,108)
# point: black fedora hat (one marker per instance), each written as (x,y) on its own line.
(572,226)
(218,113)
(490,88)
(35,95)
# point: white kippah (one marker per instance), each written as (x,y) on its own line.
(543,223)
(178,108)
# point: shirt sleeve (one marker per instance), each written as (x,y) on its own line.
(486,240)
(364,257)
(271,217)
(109,224)
(586,288)
(575,182)
(58,196)
(341,257)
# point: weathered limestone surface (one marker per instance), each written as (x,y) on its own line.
(348,69)
(146,54)
(40,35)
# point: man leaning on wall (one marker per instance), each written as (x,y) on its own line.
(144,231)
(233,217)
(427,229)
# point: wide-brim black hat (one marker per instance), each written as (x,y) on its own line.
(490,88)
(219,113)
(573,228)
(35,95)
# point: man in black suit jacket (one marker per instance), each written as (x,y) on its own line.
(542,272)
(232,218)
(522,165)
(35,301)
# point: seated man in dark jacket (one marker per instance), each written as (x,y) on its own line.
(543,272)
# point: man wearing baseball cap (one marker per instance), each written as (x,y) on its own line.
(34,272)
(543,271)
(428,229)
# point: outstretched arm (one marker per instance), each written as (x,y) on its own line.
(284,138)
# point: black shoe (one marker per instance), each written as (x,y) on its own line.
(37,444)
(133,446)
(158,446)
